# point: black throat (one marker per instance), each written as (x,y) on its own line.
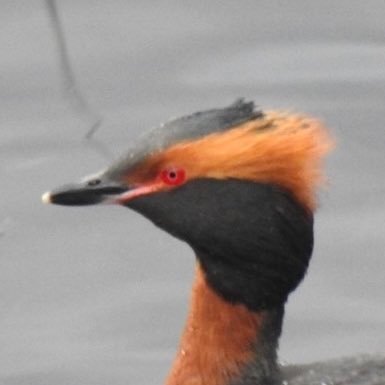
(253,240)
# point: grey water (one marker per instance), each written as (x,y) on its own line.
(98,295)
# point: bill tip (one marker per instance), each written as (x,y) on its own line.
(46,197)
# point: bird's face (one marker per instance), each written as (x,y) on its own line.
(231,143)
(229,182)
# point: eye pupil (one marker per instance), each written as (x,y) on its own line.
(173,176)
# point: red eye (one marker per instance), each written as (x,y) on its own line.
(173,176)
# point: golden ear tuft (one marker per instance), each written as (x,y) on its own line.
(280,148)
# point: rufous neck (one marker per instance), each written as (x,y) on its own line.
(225,343)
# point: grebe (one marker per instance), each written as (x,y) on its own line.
(238,185)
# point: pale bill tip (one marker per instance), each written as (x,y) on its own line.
(46,197)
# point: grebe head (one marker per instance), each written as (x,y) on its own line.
(238,185)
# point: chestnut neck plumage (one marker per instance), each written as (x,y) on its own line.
(225,343)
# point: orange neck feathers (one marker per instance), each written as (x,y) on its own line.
(218,342)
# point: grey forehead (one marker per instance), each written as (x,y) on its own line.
(187,127)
